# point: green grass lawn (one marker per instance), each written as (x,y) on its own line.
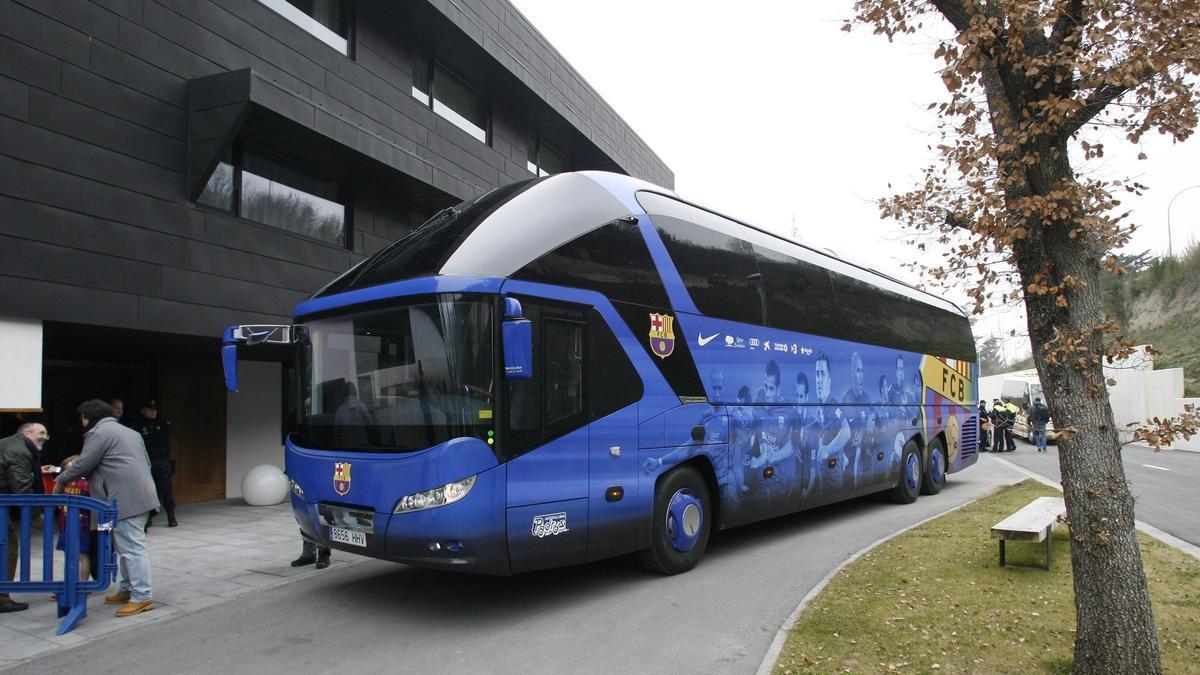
(935,599)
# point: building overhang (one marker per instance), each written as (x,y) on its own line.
(245,107)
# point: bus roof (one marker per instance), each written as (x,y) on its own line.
(558,209)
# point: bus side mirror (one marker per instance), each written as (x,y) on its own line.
(517,336)
(229,359)
(249,335)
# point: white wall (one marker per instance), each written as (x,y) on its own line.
(1140,393)
(20,364)
(253,414)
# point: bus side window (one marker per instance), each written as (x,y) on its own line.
(613,383)
(563,344)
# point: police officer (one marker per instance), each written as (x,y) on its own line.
(157,435)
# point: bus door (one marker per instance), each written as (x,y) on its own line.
(547,430)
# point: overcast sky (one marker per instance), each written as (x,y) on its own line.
(768,112)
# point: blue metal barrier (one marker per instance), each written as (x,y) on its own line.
(72,591)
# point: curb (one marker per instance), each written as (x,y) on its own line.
(1168,539)
(772,655)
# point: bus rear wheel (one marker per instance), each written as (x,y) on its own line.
(681,523)
(909,487)
(935,471)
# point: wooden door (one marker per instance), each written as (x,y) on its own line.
(192,399)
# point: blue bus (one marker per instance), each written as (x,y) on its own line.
(584,366)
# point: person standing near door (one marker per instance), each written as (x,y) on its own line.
(156,433)
(114,462)
(118,407)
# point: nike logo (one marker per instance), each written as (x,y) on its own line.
(705,340)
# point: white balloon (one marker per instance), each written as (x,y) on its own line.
(264,485)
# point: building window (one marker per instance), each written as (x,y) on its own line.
(449,97)
(326,20)
(266,189)
(543,160)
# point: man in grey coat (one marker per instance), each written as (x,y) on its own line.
(115,463)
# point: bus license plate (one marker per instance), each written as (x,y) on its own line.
(344,536)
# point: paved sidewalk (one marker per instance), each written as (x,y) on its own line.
(219,551)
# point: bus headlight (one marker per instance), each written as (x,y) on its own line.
(429,499)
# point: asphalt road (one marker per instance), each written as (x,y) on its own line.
(605,617)
(1165,485)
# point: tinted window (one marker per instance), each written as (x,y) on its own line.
(614,383)
(799,294)
(563,344)
(580,374)
(731,278)
(718,269)
(893,320)
(612,260)
(423,251)
(528,402)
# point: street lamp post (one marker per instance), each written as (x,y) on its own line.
(1169,205)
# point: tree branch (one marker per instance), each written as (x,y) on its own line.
(955,12)
(1099,99)
(1068,24)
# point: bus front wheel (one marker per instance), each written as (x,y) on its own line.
(935,471)
(681,523)
(909,487)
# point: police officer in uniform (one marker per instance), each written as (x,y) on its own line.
(157,435)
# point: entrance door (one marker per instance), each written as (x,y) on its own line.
(192,399)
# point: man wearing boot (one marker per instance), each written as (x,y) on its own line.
(115,465)
(20,473)
(157,435)
(311,553)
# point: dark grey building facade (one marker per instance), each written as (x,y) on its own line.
(170,167)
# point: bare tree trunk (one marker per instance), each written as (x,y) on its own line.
(1114,619)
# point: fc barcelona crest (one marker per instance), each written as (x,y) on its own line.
(341,478)
(662,337)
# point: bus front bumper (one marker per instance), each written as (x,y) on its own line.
(469,535)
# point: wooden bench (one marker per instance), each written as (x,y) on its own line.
(1034,523)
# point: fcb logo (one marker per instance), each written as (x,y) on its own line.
(662,336)
(341,478)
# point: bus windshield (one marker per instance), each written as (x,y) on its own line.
(397,379)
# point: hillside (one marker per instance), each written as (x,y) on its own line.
(1160,305)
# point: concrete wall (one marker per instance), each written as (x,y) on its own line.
(20,364)
(252,431)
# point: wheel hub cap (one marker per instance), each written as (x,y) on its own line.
(912,472)
(685,520)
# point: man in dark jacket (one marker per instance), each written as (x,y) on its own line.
(1000,422)
(20,473)
(1039,417)
(115,464)
(985,434)
(156,433)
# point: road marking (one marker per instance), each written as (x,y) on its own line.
(1160,468)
